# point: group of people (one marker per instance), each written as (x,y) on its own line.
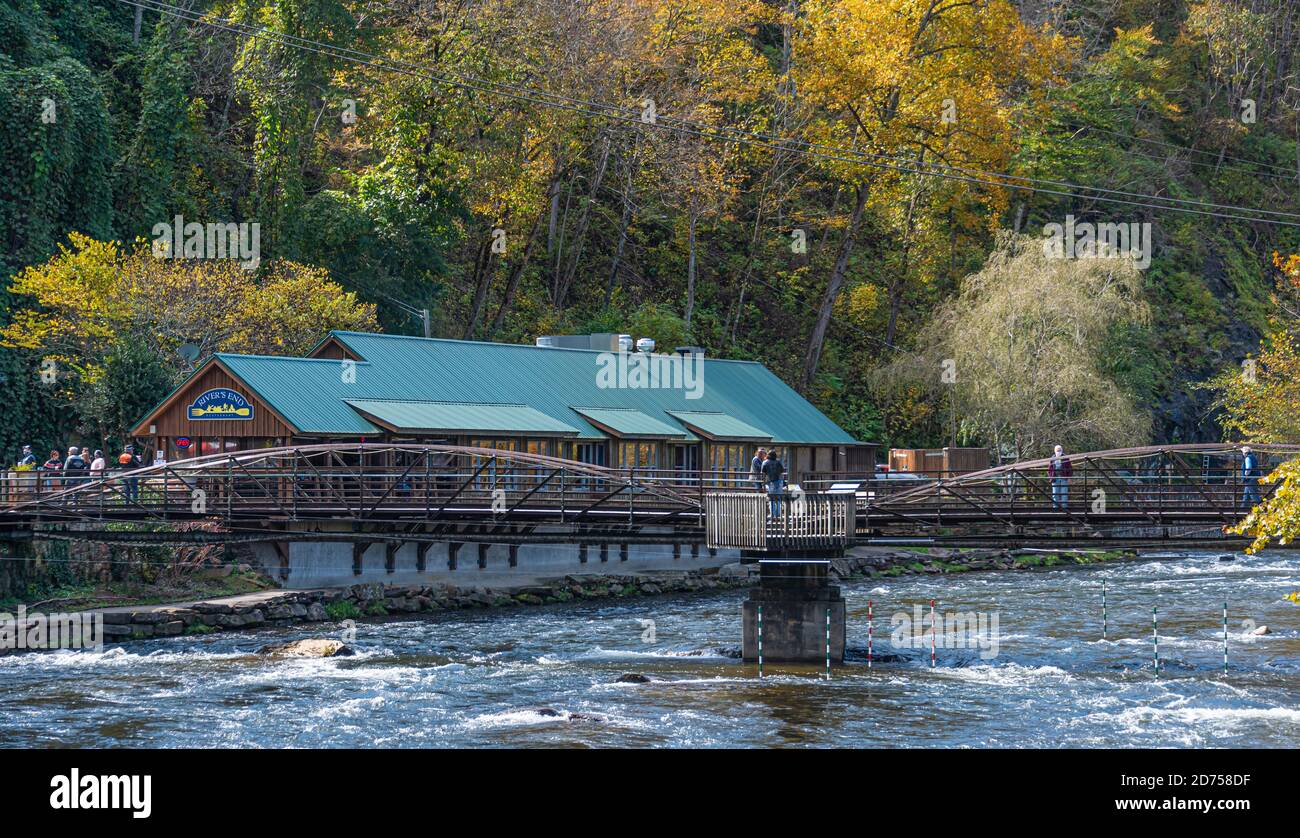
(82,465)
(768,473)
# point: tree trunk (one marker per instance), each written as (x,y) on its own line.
(690,268)
(583,220)
(512,284)
(139,22)
(818,336)
(482,277)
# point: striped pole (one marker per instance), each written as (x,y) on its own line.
(1225,637)
(934,629)
(828,644)
(1155,641)
(870,626)
(1104,626)
(760,641)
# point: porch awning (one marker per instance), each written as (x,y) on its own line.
(628,423)
(720,426)
(459,417)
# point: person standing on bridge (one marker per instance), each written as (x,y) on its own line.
(128,460)
(1249,477)
(98,465)
(28,459)
(74,467)
(774,474)
(1060,470)
(54,464)
(756,469)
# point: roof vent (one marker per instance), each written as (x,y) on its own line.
(645,345)
(624,343)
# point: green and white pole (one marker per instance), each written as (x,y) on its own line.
(828,644)
(760,641)
(1155,640)
(1225,637)
(870,631)
(1104,626)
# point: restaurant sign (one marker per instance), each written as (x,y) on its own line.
(220,403)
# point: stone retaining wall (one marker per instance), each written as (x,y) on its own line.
(377,601)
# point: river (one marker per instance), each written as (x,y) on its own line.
(547,676)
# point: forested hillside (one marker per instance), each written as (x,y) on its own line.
(833,187)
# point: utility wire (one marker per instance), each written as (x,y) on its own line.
(599,109)
(1288,173)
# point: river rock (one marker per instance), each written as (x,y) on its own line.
(552,713)
(313,647)
(632,678)
(1262,630)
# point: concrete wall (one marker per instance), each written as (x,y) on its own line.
(315,564)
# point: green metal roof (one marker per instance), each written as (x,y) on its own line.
(716,425)
(313,395)
(307,392)
(626,422)
(460,416)
(552,379)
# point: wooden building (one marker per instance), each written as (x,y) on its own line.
(696,414)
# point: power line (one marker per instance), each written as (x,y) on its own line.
(1287,173)
(599,109)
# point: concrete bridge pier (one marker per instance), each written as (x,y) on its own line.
(17,560)
(795,597)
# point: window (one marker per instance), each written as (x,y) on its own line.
(638,454)
(592,453)
(686,457)
(730,459)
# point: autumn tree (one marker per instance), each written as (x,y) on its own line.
(100,307)
(1021,352)
(902,83)
(1260,402)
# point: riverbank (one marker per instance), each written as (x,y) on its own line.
(278,608)
(273,608)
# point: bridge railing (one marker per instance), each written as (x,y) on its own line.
(757,521)
(360,481)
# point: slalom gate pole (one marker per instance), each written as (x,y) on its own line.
(870,626)
(1155,641)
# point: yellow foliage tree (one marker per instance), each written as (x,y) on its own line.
(1261,402)
(912,83)
(93,295)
